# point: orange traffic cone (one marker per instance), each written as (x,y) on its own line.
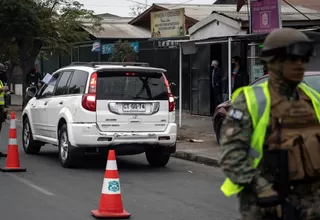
(13,161)
(111,201)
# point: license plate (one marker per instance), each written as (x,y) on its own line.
(134,107)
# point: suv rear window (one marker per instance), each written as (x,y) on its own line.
(131,86)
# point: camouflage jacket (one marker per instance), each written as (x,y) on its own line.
(235,140)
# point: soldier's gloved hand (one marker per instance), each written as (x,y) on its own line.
(279,211)
(267,197)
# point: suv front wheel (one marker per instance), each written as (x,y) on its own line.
(30,146)
(157,158)
(67,153)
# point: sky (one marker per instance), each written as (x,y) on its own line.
(122,7)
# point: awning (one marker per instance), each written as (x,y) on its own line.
(310,32)
(313,33)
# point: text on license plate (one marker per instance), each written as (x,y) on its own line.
(134,107)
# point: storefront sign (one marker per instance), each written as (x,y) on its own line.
(108,48)
(167,44)
(96,47)
(168,23)
(265,15)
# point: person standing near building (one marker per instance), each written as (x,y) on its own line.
(216,77)
(264,123)
(3,89)
(239,76)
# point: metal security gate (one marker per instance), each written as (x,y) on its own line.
(201,81)
(162,57)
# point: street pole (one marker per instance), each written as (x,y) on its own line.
(279,11)
(229,67)
(249,17)
(180,85)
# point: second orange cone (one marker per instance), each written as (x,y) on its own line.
(111,202)
(13,160)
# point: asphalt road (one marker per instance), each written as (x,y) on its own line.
(183,190)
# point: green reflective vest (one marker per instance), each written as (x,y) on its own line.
(259,106)
(1,94)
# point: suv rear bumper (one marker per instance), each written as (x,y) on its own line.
(89,135)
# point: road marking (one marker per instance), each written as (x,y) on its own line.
(38,188)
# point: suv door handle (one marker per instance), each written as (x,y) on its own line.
(61,102)
(46,103)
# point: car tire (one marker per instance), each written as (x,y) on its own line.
(218,123)
(68,156)
(30,146)
(157,158)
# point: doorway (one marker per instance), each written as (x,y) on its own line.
(215,54)
(200,81)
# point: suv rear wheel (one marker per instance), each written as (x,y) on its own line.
(67,154)
(157,158)
(30,146)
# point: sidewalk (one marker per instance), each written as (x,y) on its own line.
(194,127)
(198,128)
(16,106)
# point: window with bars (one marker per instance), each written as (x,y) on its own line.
(255,65)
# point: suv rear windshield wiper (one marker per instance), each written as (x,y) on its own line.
(138,98)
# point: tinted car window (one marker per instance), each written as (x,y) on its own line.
(62,87)
(48,89)
(78,82)
(131,86)
(313,81)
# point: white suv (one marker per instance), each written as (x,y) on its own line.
(94,107)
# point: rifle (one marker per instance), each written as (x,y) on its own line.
(277,163)
(290,211)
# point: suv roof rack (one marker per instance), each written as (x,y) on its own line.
(93,64)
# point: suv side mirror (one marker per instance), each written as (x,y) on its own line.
(30,93)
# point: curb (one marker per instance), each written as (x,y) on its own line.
(195,158)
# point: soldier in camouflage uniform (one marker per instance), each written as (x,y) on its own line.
(286,52)
(3,89)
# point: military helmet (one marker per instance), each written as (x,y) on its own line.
(286,42)
(2,68)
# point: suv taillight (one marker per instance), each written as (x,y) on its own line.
(89,99)
(170,96)
(171,103)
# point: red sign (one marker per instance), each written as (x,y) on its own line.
(265,15)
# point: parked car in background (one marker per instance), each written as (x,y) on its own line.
(311,78)
(88,107)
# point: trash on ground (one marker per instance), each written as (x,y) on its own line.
(195,141)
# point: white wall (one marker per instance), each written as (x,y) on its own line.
(17,89)
(216,29)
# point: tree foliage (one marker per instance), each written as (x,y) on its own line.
(136,10)
(123,52)
(17,21)
(51,25)
(31,26)
(63,22)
